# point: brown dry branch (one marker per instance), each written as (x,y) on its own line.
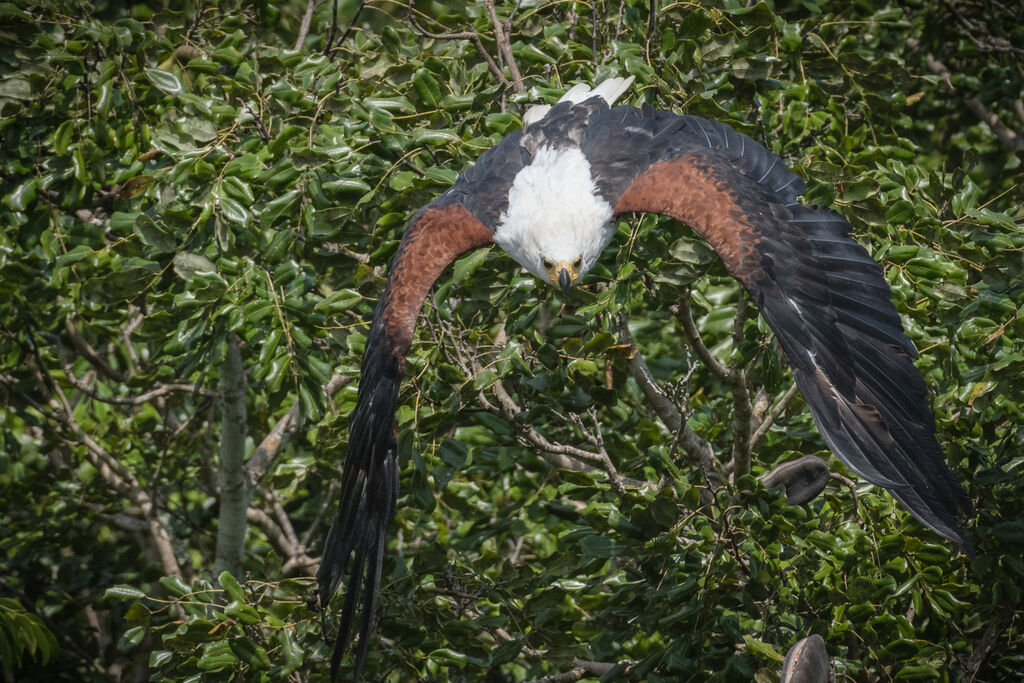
(263,457)
(1006,135)
(772,415)
(696,447)
(501,37)
(120,479)
(988,639)
(581,668)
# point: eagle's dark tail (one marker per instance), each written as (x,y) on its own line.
(354,550)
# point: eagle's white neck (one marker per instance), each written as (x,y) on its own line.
(555,212)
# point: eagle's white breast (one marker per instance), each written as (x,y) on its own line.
(555,212)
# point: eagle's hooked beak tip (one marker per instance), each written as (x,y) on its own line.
(565,280)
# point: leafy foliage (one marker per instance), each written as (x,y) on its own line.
(172,177)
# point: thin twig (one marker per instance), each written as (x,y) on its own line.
(502,39)
(463,35)
(684,315)
(773,415)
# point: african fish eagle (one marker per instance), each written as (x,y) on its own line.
(548,195)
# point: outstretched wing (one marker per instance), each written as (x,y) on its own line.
(818,289)
(459,220)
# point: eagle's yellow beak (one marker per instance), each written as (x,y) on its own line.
(563,273)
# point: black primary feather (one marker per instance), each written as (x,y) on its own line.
(354,549)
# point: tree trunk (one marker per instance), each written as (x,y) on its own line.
(234,488)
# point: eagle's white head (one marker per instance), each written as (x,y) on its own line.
(556,224)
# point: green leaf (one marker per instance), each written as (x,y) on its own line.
(187,265)
(152,235)
(231,585)
(123,592)
(601,546)
(762,649)
(234,211)
(466,265)
(131,638)
(165,81)
(427,89)
(175,586)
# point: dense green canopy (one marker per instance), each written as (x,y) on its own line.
(198,206)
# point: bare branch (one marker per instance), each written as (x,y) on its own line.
(329,504)
(264,455)
(508,409)
(684,315)
(463,35)
(1006,135)
(988,640)
(776,410)
(307,18)
(160,390)
(90,354)
(271,529)
(502,39)
(581,669)
(697,448)
(121,480)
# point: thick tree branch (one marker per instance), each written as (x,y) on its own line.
(307,18)
(121,480)
(95,359)
(697,448)
(684,315)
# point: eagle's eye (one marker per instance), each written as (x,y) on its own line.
(577,263)
(548,265)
